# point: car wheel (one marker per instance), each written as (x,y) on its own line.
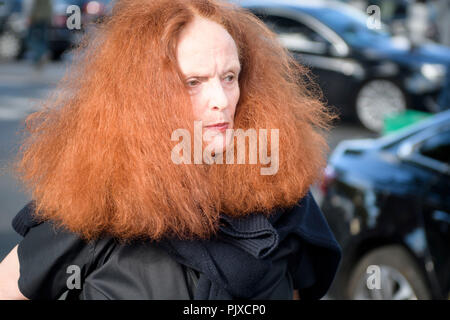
(376,99)
(10,46)
(399,277)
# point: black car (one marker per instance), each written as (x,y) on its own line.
(387,201)
(363,71)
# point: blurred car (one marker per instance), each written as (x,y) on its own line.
(12,29)
(393,13)
(364,72)
(14,25)
(93,12)
(387,201)
(61,37)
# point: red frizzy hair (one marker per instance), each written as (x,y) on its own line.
(97,157)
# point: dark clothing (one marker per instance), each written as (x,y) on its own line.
(41,12)
(251,258)
(444,97)
(38,41)
(267,251)
(109,271)
(40,21)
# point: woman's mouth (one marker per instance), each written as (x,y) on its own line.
(222,126)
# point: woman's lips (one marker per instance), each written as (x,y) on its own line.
(218,126)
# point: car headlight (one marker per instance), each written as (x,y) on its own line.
(433,72)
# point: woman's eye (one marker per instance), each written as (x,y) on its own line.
(230,78)
(192,83)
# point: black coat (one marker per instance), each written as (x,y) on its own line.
(50,258)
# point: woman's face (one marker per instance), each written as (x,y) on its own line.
(208,58)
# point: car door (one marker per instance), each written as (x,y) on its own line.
(434,153)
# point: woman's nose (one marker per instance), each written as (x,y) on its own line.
(217,96)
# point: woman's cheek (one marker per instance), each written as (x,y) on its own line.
(235,101)
(197,107)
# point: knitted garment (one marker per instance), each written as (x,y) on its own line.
(250,256)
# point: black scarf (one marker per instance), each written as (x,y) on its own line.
(250,256)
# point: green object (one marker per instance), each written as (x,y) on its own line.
(401,120)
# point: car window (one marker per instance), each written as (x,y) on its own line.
(295,35)
(437,147)
(289,26)
(351,25)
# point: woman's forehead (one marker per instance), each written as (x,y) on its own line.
(204,44)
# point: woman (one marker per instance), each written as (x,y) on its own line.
(116,193)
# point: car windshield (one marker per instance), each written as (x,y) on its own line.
(350,24)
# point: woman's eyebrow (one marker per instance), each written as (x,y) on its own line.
(235,68)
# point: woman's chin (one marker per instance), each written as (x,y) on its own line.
(216,142)
(217,145)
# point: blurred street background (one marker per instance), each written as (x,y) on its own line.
(383,64)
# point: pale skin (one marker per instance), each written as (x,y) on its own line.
(9,277)
(208,58)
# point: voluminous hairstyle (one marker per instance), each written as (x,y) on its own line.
(97,156)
